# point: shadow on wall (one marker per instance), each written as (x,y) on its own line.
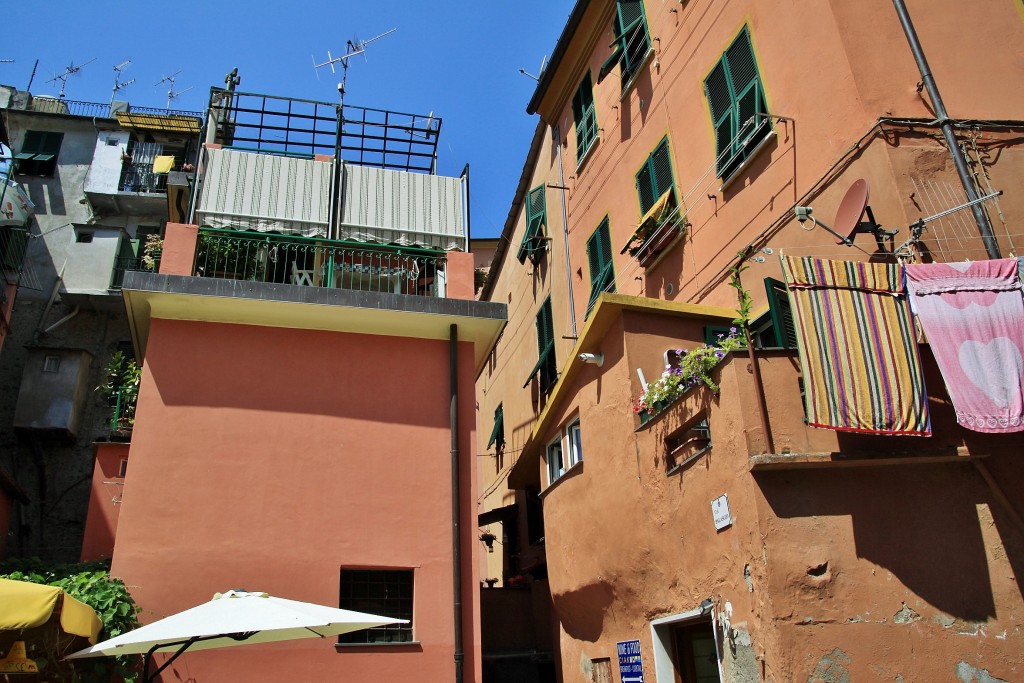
(919,522)
(582,611)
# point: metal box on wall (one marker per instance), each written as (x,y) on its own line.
(54,386)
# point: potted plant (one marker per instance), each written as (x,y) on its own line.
(120,389)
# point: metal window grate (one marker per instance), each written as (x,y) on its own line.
(384,592)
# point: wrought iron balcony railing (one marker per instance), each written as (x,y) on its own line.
(316,262)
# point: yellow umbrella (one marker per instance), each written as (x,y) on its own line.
(30,605)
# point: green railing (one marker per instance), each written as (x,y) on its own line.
(122,419)
(315,262)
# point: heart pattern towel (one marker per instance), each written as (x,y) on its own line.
(973,314)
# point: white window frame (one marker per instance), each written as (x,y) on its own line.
(564,452)
(661,641)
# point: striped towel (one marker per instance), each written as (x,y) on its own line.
(855,335)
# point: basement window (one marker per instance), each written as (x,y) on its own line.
(385,592)
(51,364)
(688,443)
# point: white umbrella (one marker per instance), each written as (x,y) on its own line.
(234,618)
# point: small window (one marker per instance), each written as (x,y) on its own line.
(545,369)
(585,118)
(535,241)
(38,155)
(51,364)
(632,43)
(738,109)
(564,452)
(83,237)
(384,592)
(122,470)
(599,255)
(687,444)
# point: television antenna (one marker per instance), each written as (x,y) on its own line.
(69,71)
(118,84)
(543,65)
(171,93)
(352,48)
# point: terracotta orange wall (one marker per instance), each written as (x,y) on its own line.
(267,459)
(104,501)
(179,251)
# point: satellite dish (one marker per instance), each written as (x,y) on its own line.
(851,209)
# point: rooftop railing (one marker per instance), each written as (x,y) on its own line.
(52,105)
(316,262)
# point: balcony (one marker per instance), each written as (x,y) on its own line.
(315,262)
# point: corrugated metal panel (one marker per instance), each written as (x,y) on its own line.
(269,193)
(385,206)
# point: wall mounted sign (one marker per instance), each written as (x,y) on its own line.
(631,666)
(721,513)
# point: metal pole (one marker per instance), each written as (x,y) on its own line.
(453,360)
(984,227)
(557,134)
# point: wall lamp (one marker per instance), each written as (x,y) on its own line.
(592,358)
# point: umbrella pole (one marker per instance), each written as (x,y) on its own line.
(185,644)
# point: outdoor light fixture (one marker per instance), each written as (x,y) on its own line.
(593,358)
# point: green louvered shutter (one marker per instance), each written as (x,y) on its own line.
(781,312)
(745,85)
(631,29)
(536,218)
(599,255)
(546,346)
(498,431)
(716,86)
(661,169)
(584,116)
(645,187)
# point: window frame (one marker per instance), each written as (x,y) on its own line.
(535,240)
(40,150)
(564,452)
(629,60)
(546,364)
(602,268)
(584,116)
(406,610)
(728,162)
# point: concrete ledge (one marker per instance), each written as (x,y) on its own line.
(793,461)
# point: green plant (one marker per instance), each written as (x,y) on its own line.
(694,367)
(91,583)
(151,252)
(120,388)
(744,301)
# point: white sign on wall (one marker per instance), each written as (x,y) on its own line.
(720,511)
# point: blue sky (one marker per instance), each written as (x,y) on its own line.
(458,59)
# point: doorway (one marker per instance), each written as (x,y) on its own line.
(694,654)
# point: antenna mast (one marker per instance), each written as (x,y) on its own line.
(171,94)
(118,85)
(352,48)
(69,70)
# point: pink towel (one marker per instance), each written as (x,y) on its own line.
(973,314)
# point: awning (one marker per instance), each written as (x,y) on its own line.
(169,123)
(29,605)
(501,514)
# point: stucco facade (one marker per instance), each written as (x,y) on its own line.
(846,556)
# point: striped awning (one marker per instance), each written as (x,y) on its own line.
(173,123)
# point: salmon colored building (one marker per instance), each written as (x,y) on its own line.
(305,420)
(715,535)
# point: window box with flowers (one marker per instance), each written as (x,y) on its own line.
(658,230)
(693,368)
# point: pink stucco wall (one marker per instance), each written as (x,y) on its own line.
(267,459)
(104,501)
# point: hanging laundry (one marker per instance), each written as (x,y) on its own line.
(855,336)
(973,314)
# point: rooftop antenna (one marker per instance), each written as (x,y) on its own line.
(118,85)
(171,93)
(352,48)
(69,70)
(543,65)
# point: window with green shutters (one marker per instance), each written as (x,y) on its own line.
(781,313)
(585,117)
(599,254)
(534,241)
(38,155)
(632,42)
(738,109)
(498,431)
(545,369)
(655,177)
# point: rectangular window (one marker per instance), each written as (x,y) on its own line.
(659,223)
(654,179)
(534,241)
(687,444)
(564,452)
(632,43)
(384,592)
(545,368)
(51,364)
(738,109)
(585,117)
(599,254)
(38,155)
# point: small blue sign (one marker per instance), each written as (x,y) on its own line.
(631,666)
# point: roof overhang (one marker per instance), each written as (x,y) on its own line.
(181,297)
(181,125)
(607,310)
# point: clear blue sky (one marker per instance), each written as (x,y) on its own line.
(458,59)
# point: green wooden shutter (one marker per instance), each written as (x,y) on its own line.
(631,29)
(745,85)
(661,169)
(781,312)
(536,218)
(736,97)
(711,333)
(645,187)
(498,432)
(599,255)
(584,117)
(546,365)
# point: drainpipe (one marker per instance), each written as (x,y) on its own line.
(565,231)
(453,347)
(469,224)
(63,320)
(942,118)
